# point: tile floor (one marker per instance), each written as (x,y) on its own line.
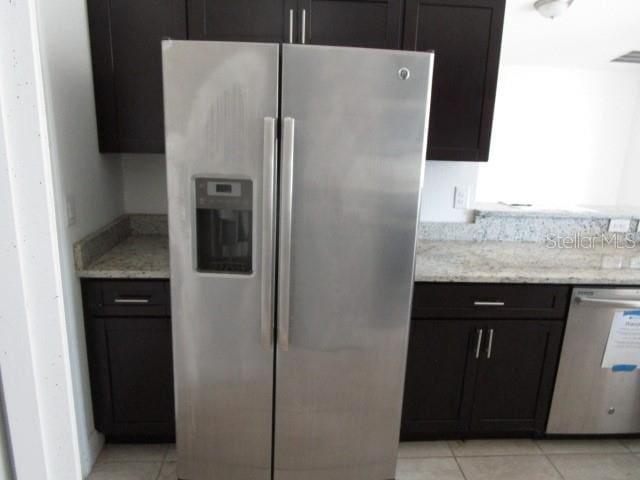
(470,460)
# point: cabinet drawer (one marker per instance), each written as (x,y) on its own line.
(440,300)
(127,297)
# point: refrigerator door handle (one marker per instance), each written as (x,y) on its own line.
(268,182)
(304,26)
(284,258)
(291,25)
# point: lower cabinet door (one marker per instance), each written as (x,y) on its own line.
(132,377)
(441,367)
(516,371)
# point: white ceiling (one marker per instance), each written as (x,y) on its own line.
(590,34)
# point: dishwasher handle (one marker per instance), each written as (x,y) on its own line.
(608,302)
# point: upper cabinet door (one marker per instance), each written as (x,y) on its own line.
(466,37)
(354,23)
(243,20)
(127,69)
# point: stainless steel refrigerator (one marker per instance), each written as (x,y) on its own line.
(294,181)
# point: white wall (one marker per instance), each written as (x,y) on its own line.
(36,363)
(440,181)
(563,111)
(6,470)
(93,180)
(145,187)
(560,136)
(145,183)
(630,183)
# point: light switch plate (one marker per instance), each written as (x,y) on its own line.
(619,225)
(71,210)
(462,197)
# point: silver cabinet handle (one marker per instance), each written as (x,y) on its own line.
(304,26)
(291,25)
(607,302)
(284,265)
(268,189)
(479,303)
(490,346)
(478,343)
(135,301)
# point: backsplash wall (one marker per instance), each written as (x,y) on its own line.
(530,227)
(145,187)
(144,183)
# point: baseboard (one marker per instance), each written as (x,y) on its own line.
(94,444)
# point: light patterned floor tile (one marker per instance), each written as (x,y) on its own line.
(522,467)
(171,454)
(475,448)
(581,446)
(168,471)
(633,444)
(424,449)
(598,467)
(428,469)
(126,471)
(117,452)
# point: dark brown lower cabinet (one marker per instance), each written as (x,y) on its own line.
(128,331)
(474,378)
(440,372)
(516,372)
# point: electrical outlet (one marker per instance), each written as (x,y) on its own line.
(462,198)
(71,210)
(619,225)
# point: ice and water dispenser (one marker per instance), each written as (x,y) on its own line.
(224,225)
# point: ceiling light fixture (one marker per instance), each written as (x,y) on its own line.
(552,8)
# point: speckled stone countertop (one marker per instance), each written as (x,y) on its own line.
(132,246)
(136,246)
(578,211)
(514,262)
(137,256)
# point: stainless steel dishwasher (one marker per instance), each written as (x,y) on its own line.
(589,399)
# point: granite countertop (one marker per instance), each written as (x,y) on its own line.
(147,256)
(137,256)
(578,211)
(132,246)
(136,246)
(514,262)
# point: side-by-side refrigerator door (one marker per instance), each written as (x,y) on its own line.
(352,157)
(221,105)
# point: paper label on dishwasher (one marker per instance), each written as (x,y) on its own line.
(623,345)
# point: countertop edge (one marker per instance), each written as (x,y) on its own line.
(528,280)
(123,274)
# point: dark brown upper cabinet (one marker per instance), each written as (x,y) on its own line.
(357,23)
(465,36)
(127,69)
(243,20)
(353,23)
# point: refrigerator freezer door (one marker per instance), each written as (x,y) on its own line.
(217,96)
(357,162)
